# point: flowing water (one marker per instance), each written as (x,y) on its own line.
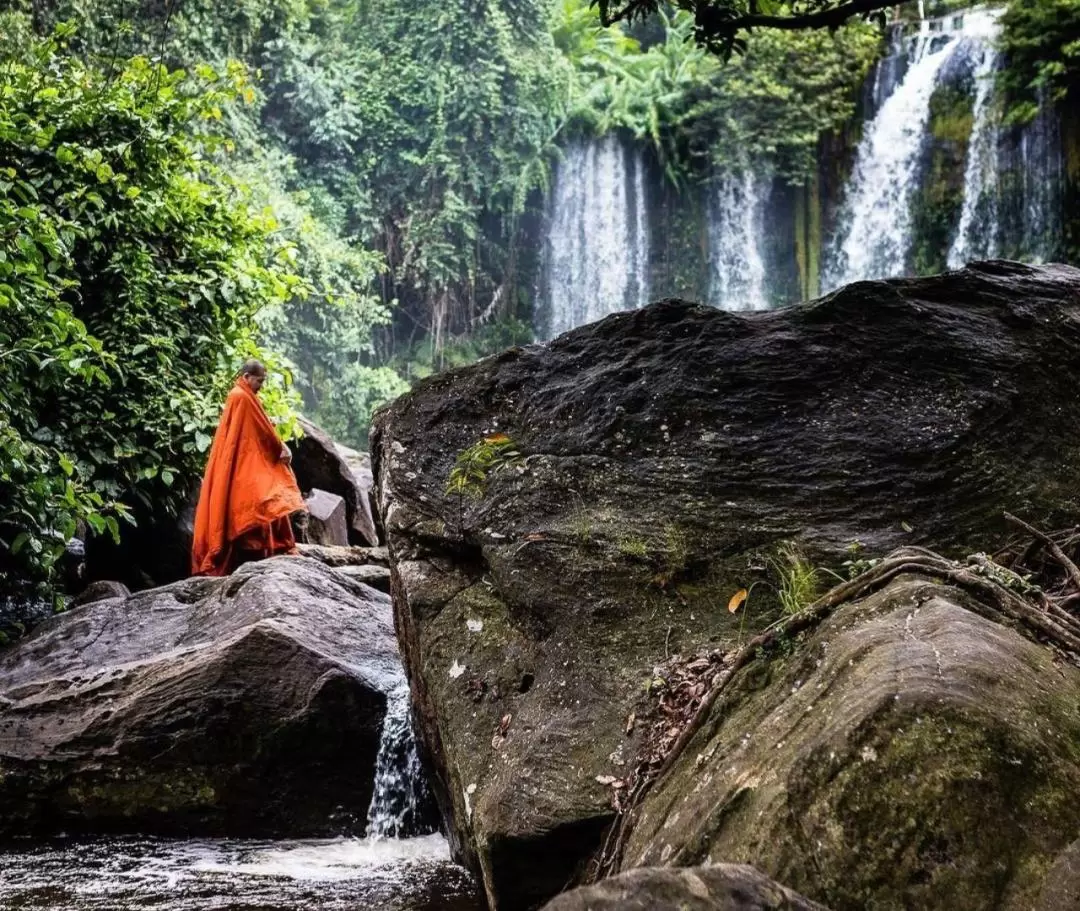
(399,866)
(134,874)
(978,234)
(875,235)
(736,263)
(1013,177)
(401,795)
(596,252)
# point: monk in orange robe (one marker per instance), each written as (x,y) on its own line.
(249,490)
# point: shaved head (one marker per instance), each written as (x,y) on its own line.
(254,374)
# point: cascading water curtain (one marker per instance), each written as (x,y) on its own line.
(596,252)
(874,235)
(736,230)
(978,236)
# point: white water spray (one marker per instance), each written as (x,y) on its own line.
(875,234)
(597,246)
(736,264)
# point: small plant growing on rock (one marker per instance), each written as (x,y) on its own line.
(857,562)
(800,581)
(668,553)
(472,466)
(637,548)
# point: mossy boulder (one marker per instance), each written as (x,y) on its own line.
(625,480)
(907,753)
(720,887)
(248,705)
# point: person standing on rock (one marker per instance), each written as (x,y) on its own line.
(249,490)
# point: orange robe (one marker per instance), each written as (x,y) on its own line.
(247,492)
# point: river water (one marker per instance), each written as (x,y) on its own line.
(133,874)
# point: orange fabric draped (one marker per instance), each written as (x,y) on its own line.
(247,492)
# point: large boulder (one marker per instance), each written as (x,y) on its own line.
(246,705)
(563,517)
(908,753)
(320,463)
(722,887)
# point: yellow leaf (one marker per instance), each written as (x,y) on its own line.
(737,600)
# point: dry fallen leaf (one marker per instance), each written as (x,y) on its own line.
(497,438)
(606,779)
(630,722)
(737,600)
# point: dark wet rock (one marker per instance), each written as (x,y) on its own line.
(360,465)
(723,887)
(346,556)
(651,465)
(375,576)
(326,519)
(247,705)
(319,465)
(100,591)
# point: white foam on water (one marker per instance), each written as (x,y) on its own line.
(335,859)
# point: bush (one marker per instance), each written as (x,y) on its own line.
(131,269)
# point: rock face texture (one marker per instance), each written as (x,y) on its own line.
(249,705)
(615,487)
(722,887)
(908,753)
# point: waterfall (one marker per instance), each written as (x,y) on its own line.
(875,223)
(1040,163)
(736,264)
(397,804)
(978,234)
(597,247)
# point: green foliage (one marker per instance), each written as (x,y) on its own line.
(799,580)
(772,102)
(472,466)
(1041,39)
(424,358)
(857,562)
(397,144)
(130,270)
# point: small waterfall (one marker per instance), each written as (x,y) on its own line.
(597,246)
(397,805)
(978,234)
(736,264)
(875,223)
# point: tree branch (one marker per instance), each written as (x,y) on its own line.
(718,19)
(712,23)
